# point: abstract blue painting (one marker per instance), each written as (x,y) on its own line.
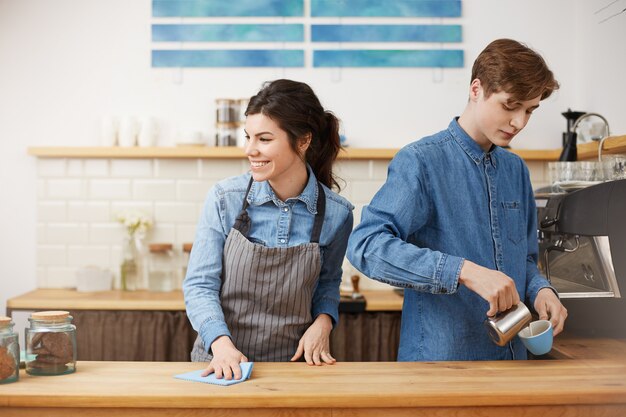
(165,58)
(205,8)
(228,33)
(388,8)
(386,33)
(448,58)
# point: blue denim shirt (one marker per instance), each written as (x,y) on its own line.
(446,200)
(274,223)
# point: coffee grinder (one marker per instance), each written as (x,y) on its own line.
(570,152)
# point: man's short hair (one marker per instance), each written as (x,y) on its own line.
(510,66)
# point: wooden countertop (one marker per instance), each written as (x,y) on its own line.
(504,388)
(615,144)
(55,299)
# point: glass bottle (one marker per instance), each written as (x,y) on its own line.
(161,267)
(132,268)
(50,343)
(9,352)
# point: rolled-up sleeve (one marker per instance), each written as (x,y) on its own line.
(379,245)
(202,283)
(326,296)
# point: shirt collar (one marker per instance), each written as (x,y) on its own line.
(469,145)
(261,192)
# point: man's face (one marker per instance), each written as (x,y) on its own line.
(500,117)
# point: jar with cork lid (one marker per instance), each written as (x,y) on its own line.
(161,267)
(50,343)
(9,352)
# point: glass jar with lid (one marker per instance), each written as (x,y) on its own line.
(9,352)
(50,343)
(162,269)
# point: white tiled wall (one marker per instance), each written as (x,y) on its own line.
(78,200)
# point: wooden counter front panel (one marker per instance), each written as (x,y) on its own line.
(506,388)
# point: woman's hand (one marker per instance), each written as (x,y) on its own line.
(549,307)
(315,343)
(226,359)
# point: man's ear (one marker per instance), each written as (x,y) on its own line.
(476,90)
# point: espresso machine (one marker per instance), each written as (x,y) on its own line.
(582,252)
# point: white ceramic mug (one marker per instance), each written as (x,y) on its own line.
(128,132)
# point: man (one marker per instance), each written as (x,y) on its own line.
(455,222)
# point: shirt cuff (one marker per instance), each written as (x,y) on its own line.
(211,330)
(327,306)
(448,272)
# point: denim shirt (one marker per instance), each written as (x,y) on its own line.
(446,200)
(274,223)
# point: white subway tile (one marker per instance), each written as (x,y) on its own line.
(109,189)
(175,212)
(51,211)
(193,190)
(41,233)
(96,167)
(51,255)
(61,277)
(51,167)
(219,169)
(121,207)
(177,168)
(42,281)
(106,233)
(379,170)
(537,171)
(132,168)
(74,167)
(88,211)
(79,256)
(41,189)
(65,188)
(58,233)
(185,233)
(363,191)
(154,190)
(162,232)
(353,170)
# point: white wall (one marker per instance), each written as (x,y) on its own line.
(65,63)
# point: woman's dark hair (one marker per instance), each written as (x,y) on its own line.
(297,110)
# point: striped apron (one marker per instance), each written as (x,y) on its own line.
(267,293)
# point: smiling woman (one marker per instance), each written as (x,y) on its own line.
(263,277)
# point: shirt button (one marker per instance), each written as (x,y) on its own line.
(282,241)
(286,209)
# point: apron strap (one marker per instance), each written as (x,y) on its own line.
(242,222)
(319,217)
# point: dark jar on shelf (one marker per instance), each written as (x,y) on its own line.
(9,352)
(50,343)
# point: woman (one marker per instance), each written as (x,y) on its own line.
(263,277)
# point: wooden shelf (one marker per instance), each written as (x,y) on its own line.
(185,152)
(615,144)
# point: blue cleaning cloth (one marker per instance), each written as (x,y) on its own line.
(246,371)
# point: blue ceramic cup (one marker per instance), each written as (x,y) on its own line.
(537,337)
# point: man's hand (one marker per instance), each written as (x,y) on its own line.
(493,286)
(549,307)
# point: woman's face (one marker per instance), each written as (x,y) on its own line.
(268,150)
